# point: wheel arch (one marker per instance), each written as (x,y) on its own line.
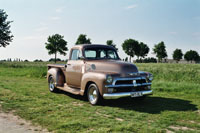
(87,85)
(92,77)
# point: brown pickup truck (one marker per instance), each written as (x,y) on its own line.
(97,72)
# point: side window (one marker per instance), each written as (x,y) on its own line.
(90,54)
(75,54)
(102,54)
(111,54)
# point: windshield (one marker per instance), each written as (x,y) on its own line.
(100,53)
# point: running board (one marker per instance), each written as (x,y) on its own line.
(70,90)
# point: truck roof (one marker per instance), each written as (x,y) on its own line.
(83,46)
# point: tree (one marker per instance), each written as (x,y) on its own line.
(192,56)
(5,33)
(56,44)
(130,47)
(144,50)
(83,40)
(126,59)
(177,55)
(110,43)
(160,51)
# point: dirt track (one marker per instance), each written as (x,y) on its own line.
(10,123)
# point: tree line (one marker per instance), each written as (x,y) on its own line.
(131,47)
(56,44)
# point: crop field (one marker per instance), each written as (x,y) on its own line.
(174,106)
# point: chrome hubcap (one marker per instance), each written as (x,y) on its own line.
(51,84)
(92,95)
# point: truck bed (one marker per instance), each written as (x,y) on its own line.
(56,66)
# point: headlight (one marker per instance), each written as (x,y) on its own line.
(109,79)
(150,77)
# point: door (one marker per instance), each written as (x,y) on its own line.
(74,69)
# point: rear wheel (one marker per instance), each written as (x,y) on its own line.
(52,87)
(93,95)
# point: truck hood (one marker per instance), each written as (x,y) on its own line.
(111,66)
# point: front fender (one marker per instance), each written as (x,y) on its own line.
(147,75)
(97,78)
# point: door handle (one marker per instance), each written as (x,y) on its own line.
(69,64)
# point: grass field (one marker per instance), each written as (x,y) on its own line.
(175,105)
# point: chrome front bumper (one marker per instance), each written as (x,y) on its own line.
(124,94)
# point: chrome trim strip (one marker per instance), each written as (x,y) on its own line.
(124,94)
(127,85)
(136,78)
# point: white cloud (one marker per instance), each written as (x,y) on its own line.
(29,38)
(59,10)
(42,23)
(131,6)
(40,29)
(55,18)
(32,37)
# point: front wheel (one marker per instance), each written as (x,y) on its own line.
(93,95)
(52,87)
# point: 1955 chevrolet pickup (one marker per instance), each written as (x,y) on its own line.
(97,72)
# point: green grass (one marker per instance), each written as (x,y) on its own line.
(176,101)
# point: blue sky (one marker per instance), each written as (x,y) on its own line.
(176,22)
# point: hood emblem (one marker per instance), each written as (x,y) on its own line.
(133,74)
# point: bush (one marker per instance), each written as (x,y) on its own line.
(53,59)
(147,60)
(37,60)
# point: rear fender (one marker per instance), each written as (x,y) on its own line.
(58,76)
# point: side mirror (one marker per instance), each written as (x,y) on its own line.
(81,58)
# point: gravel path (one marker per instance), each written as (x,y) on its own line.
(10,123)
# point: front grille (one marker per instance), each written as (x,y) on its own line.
(129,84)
(120,82)
(125,89)
(140,81)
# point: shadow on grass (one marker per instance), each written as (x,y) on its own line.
(78,97)
(152,105)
